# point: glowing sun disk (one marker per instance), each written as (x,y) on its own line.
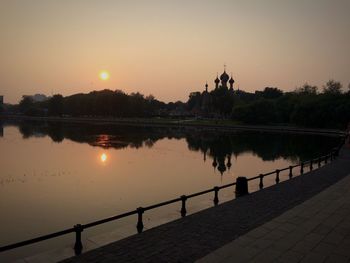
(104,75)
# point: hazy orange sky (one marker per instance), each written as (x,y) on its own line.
(170,48)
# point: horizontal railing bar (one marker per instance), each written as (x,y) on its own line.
(284,169)
(226,185)
(162,204)
(287,168)
(253,178)
(37,239)
(112,218)
(200,193)
(273,172)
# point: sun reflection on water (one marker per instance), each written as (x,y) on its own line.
(103,157)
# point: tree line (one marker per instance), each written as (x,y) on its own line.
(307,106)
(106,103)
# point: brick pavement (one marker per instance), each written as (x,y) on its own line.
(317,230)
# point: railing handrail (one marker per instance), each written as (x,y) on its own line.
(79,228)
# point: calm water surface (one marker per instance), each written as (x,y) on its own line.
(56,175)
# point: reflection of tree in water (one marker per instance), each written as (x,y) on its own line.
(105,136)
(219,146)
(1,129)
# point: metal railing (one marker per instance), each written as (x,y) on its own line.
(241,189)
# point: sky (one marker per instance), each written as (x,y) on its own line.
(170,48)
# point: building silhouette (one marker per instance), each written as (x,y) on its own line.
(224,80)
(205,103)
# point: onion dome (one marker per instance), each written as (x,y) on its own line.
(206,87)
(229,164)
(221,168)
(224,77)
(217,80)
(231,81)
(215,163)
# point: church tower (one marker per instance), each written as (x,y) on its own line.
(231,81)
(217,81)
(224,79)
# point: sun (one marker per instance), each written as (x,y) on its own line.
(104,75)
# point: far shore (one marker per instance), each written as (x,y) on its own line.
(212,124)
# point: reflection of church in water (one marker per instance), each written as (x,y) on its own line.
(218,149)
(221,162)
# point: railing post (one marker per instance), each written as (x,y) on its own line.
(290,172)
(78,246)
(319,162)
(216,195)
(261,184)
(277,176)
(336,151)
(311,165)
(301,168)
(139,225)
(241,186)
(183,206)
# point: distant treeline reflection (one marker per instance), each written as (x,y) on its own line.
(220,146)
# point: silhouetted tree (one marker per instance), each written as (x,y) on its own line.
(28,107)
(307,89)
(332,87)
(270,93)
(56,105)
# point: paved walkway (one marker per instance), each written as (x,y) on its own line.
(317,230)
(297,234)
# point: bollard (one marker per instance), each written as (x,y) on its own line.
(78,246)
(311,165)
(183,206)
(277,176)
(319,162)
(139,225)
(261,184)
(241,186)
(216,195)
(290,172)
(302,168)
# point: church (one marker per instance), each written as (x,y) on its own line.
(224,80)
(216,102)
